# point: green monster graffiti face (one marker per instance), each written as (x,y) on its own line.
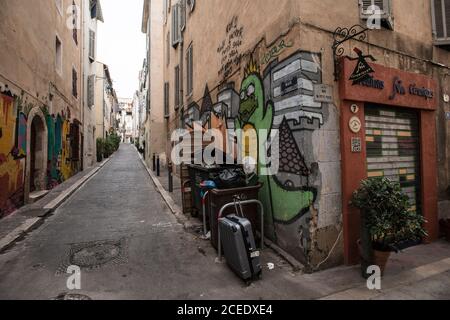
(252,99)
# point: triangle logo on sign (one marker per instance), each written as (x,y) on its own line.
(362,70)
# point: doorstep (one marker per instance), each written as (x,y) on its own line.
(37,195)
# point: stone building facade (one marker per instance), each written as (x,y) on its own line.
(219,55)
(40,79)
(154,126)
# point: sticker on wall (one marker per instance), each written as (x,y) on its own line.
(356,145)
(354,108)
(446,98)
(355,124)
(323,93)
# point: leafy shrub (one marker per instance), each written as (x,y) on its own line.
(387,211)
(115,140)
(108,148)
(100,149)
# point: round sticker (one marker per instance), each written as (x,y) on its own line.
(355,125)
(354,108)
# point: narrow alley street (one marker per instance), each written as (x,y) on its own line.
(146,254)
(129,246)
(308,141)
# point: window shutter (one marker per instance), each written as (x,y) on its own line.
(176,24)
(190,70)
(91,90)
(177,87)
(74,83)
(191,5)
(366,5)
(92,45)
(166,100)
(182,12)
(441,18)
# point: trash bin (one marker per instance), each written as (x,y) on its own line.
(198,174)
(218,198)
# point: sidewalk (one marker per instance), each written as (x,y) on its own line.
(19,223)
(174,200)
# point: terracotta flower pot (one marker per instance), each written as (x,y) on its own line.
(377,258)
(380,258)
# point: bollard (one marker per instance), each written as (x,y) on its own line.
(154,162)
(158,168)
(170,177)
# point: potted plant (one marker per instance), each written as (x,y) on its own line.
(388,222)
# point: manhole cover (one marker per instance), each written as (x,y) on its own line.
(72,296)
(94,255)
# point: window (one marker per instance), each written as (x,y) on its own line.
(75,23)
(177,87)
(166,100)
(385,6)
(91,46)
(91,91)
(441,22)
(190,70)
(59,6)
(58,53)
(74,83)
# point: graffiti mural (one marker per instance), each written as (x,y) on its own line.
(66,165)
(12,151)
(271,87)
(229,48)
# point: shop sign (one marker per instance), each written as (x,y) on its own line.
(398,88)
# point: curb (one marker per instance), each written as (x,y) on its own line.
(174,208)
(31,224)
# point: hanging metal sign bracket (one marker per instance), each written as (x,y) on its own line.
(340,36)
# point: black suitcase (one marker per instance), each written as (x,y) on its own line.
(239,247)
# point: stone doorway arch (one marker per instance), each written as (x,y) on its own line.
(37,153)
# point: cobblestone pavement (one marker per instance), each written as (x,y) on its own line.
(128,245)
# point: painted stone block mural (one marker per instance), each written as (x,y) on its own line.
(12,151)
(271,88)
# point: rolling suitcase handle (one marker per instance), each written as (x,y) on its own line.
(238,206)
(229,205)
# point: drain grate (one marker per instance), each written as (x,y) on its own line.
(95,255)
(72,296)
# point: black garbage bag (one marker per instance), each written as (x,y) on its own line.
(231,178)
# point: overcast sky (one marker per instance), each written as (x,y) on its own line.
(121,44)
